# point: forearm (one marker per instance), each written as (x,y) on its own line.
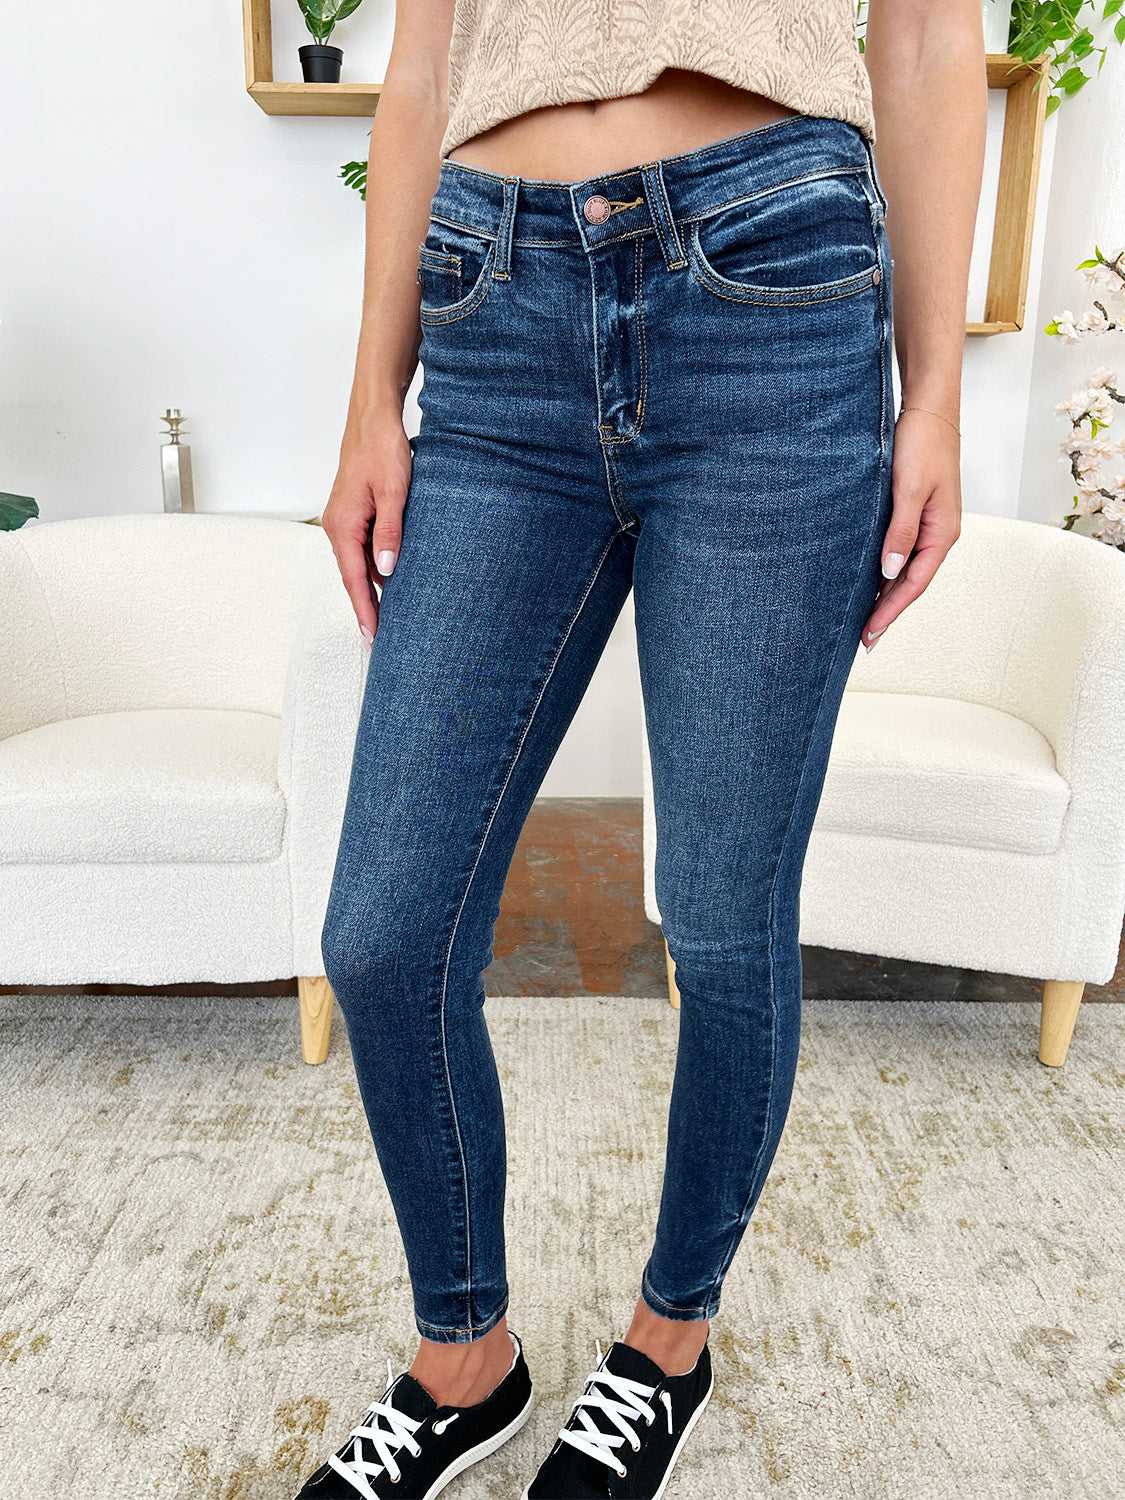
(925,59)
(402,174)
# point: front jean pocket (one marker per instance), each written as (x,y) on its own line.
(454,270)
(806,241)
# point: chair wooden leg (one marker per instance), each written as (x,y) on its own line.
(1061,998)
(673,988)
(316,1000)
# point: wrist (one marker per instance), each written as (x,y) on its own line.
(942,417)
(937,390)
(367,428)
(374,409)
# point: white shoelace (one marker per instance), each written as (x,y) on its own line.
(629,1407)
(398,1433)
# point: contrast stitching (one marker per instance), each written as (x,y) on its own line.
(657,1298)
(468,887)
(665,248)
(767,296)
(469,1327)
(484,234)
(676,258)
(773,187)
(606,432)
(640,257)
(503,255)
(613,481)
(453,262)
(475,297)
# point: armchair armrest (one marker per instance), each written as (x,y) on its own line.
(320,713)
(1066,674)
(32,683)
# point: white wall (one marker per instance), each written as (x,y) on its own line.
(1087,208)
(996,374)
(169,244)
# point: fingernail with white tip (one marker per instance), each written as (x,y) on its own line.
(367,636)
(873,637)
(385,562)
(892,564)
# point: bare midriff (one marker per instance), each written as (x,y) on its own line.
(680,111)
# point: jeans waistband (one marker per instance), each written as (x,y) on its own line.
(657,195)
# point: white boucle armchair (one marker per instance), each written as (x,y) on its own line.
(179,697)
(973,811)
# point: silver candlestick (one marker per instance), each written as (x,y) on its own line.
(176,465)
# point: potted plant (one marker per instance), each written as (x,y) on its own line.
(15,510)
(320,63)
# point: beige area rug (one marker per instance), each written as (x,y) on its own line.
(202,1281)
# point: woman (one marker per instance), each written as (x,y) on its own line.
(653,307)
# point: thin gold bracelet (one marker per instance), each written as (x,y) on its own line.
(937,414)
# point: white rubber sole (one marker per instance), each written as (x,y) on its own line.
(695,1416)
(482,1450)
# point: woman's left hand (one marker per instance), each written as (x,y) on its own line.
(926,515)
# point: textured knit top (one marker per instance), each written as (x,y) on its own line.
(508,56)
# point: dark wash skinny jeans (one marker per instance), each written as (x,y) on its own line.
(674,379)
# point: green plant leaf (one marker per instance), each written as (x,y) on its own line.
(15,510)
(354,174)
(313,12)
(1072,80)
(342,9)
(1083,44)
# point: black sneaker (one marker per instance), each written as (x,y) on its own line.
(625,1431)
(408,1447)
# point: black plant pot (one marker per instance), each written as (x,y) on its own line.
(320,64)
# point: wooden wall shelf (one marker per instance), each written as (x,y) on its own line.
(294,98)
(1020,151)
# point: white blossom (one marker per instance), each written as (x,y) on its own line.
(1075,406)
(1100,404)
(1106,529)
(1086,504)
(1100,494)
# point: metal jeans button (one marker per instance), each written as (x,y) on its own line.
(596,209)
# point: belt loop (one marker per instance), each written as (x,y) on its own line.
(502,269)
(657,194)
(874,174)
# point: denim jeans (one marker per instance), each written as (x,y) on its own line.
(674,379)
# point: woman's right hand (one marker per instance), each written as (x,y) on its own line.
(363,517)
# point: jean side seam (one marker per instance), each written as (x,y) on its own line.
(514,761)
(728,1258)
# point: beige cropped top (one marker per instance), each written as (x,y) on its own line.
(508,56)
